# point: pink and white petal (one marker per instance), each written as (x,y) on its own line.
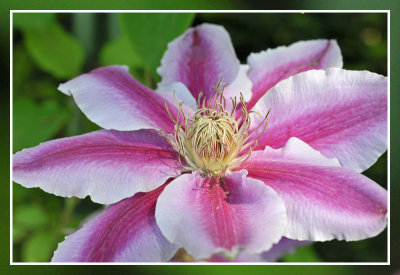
(106,165)
(113,99)
(124,232)
(241,85)
(181,93)
(269,67)
(342,114)
(296,150)
(209,215)
(285,246)
(199,58)
(322,202)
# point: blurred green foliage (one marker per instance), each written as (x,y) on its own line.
(33,21)
(55,51)
(52,48)
(149,34)
(48,116)
(302,254)
(119,51)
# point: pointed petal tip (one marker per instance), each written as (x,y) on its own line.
(113,99)
(106,165)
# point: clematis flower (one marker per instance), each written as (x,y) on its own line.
(222,158)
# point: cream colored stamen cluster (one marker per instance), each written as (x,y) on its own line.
(212,140)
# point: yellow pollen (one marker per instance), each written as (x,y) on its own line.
(212,140)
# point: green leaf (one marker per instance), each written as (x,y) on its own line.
(34,123)
(19,193)
(39,247)
(119,52)
(150,33)
(18,233)
(55,51)
(33,21)
(23,67)
(29,216)
(302,254)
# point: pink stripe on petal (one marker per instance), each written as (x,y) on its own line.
(267,68)
(342,114)
(113,99)
(106,165)
(124,232)
(199,58)
(208,216)
(322,202)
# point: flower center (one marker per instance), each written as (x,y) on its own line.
(212,135)
(213,141)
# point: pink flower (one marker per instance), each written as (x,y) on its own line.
(222,176)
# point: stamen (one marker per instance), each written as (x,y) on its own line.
(212,139)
